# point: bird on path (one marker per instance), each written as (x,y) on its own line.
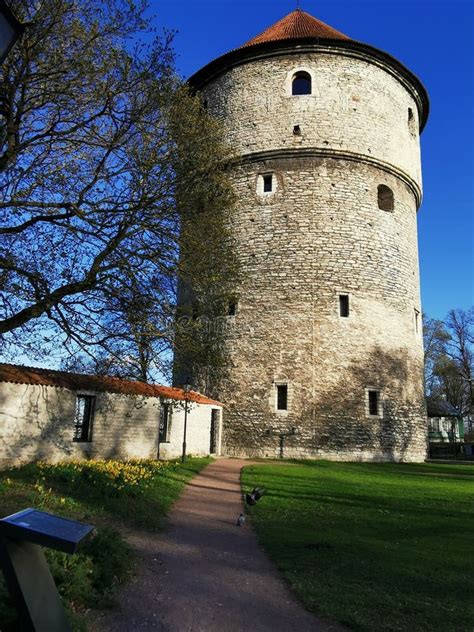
(254,496)
(240,520)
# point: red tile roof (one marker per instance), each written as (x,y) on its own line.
(81,381)
(299,28)
(296,25)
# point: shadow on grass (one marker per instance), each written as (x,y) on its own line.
(371,545)
(144,505)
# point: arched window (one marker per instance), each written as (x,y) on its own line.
(385,198)
(301,83)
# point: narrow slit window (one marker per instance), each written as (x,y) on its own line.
(232,308)
(417,320)
(374,398)
(268,183)
(196,310)
(385,198)
(411,122)
(84,413)
(344,305)
(282,397)
(301,84)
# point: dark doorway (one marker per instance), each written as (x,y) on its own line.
(214,431)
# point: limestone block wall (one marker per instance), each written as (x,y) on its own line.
(319,232)
(357,108)
(320,235)
(37,423)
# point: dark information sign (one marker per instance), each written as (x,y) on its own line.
(45,529)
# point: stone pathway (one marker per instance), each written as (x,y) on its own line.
(204,573)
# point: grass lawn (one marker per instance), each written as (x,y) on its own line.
(374,546)
(108,494)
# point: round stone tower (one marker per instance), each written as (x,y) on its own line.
(324,334)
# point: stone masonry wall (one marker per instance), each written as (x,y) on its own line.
(356,107)
(321,233)
(37,423)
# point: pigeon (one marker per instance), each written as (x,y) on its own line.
(252,498)
(240,520)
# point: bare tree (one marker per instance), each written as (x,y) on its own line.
(100,137)
(435,337)
(460,350)
(449,359)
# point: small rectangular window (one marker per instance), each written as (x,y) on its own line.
(344,305)
(373,402)
(84,413)
(267,183)
(232,310)
(282,397)
(165,423)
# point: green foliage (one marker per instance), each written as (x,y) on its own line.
(88,578)
(8,615)
(107,494)
(209,270)
(73,576)
(110,557)
(378,547)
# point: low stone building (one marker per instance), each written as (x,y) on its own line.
(56,415)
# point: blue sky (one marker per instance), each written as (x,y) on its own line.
(435,40)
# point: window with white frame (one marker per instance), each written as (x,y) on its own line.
(266,184)
(282,397)
(373,402)
(344,305)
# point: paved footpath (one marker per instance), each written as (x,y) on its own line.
(204,573)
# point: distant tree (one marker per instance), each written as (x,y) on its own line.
(459,324)
(100,139)
(435,337)
(449,359)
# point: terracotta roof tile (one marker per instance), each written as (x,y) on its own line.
(81,381)
(296,25)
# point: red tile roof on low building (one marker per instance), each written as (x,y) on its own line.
(296,25)
(81,381)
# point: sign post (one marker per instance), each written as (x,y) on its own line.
(26,570)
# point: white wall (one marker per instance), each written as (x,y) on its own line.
(198,431)
(37,423)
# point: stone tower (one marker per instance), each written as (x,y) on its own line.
(324,333)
